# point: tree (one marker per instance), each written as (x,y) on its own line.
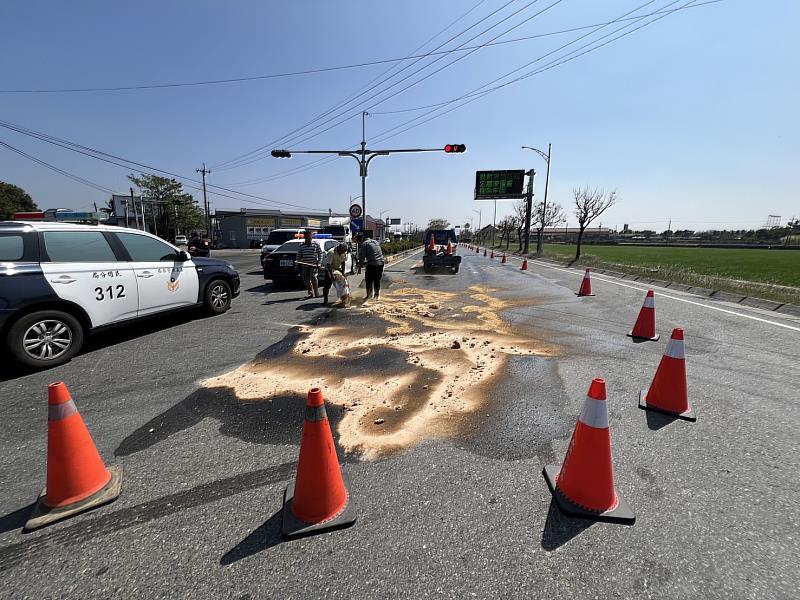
(466,226)
(520,208)
(439,224)
(506,226)
(14,199)
(174,211)
(590,204)
(542,218)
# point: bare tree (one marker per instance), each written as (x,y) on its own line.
(590,204)
(506,226)
(542,218)
(520,207)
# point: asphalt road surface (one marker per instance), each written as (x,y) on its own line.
(456,515)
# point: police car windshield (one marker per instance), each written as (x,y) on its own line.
(279,237)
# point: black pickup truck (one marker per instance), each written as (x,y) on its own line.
(440,250)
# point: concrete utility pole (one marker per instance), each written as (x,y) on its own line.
(528,206)
(205,172)
(546,158)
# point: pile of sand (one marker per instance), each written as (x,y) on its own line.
(403,369)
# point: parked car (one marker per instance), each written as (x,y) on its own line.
(277,237)
(181,240)
(60,282)
(280,267)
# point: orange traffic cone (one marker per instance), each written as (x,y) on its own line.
(524,266)
(449,249)
(645,327)
(492,255)
(502,262)
(477,250)
(586,284)
(318,499)
(432,244)
(667,393)
(484,252)
(77,479)
(584,485)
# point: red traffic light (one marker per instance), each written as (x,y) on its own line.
(281,154)
(451,148)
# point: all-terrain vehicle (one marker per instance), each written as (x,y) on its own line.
(440,250)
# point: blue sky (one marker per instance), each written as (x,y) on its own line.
(692,119)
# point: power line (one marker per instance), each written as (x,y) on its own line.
(137,166)
(72,176)
(480,92)
(284,139)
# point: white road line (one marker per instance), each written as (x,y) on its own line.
(661,295)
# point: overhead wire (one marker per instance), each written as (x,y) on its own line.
(480,92)
(360,92)
(141,167)
(67,174)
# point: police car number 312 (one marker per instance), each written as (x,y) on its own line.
(59,282)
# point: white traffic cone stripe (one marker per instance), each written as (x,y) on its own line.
(649,302)
(594,413)
(675,349)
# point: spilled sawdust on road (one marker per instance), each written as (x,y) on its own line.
(404,369)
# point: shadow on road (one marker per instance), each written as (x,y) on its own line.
(16,519)
(87,529)
(560,528)
(264,537)
(118,335)
(657,420)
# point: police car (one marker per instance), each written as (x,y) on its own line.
(60,281)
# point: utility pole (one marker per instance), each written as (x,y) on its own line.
(363,169)
(546,158)
(135,211)
(205,172)
(528,205)
(127,224)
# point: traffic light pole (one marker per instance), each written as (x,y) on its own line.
(365,156)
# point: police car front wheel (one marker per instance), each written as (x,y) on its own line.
(45,338)
(218,297)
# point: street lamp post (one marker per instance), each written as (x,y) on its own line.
(480,218)
(546,158)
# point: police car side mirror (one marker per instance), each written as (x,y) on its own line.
(183,256)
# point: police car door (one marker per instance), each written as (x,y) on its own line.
(81,267)
(164,281)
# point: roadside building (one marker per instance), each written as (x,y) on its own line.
(245,227)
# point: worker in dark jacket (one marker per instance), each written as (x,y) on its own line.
(371,256)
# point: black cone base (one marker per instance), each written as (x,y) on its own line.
(622,514)
(44,515)
(686,416)
(293,528)
(644,339)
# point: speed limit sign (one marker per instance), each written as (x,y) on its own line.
(355,211)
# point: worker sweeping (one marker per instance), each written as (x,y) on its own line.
(370,254)
(334,262)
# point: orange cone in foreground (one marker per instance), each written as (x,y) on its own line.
(432,244)
(524,266)
(586,284)
(584,485)
(449,250)
(645,327)
(77,479)
(318,500)
(668,393)
(502,262)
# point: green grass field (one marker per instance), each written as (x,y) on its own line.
(770,274)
